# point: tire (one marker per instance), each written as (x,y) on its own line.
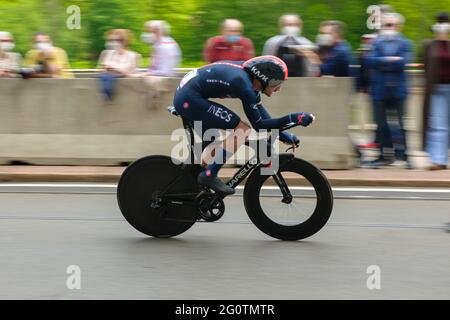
(142,179)
(313,224)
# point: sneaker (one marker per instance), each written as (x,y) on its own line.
(214,183)
(380,162)
(401,164)
(435,167)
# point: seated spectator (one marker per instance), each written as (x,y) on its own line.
(9,61)
(116,61)
(166,54)
(334,53)
(283,45)
(46,60)
(231,45)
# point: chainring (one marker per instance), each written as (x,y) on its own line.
(210,211)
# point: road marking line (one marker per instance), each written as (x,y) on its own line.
(58,185)
(350,189)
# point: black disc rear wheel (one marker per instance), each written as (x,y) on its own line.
(139,188)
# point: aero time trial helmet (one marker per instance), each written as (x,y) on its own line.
(270,70)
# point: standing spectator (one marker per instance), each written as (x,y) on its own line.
(116,61)
(334,53)
(362,85)
(46,60)
(436,116)
(231,45)
(391,52)
(363,77)
(283,46)
(9,61)
(363,74)
(166,52)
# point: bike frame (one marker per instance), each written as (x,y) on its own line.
(238,177)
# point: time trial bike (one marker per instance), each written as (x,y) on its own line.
(161,198)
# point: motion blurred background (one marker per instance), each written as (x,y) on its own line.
(194,21)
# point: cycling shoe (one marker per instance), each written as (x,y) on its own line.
(214,183)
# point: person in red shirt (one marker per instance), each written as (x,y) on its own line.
(231,45)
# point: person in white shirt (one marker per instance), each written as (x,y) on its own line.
(166,55)
(116,61)
(286,45)
(9,61)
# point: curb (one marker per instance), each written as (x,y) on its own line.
(357,177)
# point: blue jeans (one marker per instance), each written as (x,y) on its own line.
(390,131)
(108,84)
(439,124)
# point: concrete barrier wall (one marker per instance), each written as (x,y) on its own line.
(66,122)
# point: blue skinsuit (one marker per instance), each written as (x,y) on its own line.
(224,80)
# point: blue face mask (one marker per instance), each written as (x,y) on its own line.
(233,38)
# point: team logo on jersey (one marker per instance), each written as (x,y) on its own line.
(258,73)
(220,113)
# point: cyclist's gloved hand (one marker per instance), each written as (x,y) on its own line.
(289,138)
(302,118)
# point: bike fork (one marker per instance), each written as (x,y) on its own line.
(287,196)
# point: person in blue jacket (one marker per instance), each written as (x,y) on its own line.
(246,81)
(391,52)
(333,56)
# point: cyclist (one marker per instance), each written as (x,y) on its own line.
(245,81)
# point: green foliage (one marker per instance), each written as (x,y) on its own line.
(419,17)
(193,21)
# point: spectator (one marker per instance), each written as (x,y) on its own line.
(46,60)
(363,74)
(116,61)
(436,111)
(231,45)
(9,61)
(362,85)
(334,53)
(390,54)
(283,46)
(166,52)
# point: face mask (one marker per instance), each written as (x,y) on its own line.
(148,37)
(389,32)
(112,45)
(7,46)
(324,40)
(43,46)
(233,38)
(441,28)
(291,31)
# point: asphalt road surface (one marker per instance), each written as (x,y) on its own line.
(45,228)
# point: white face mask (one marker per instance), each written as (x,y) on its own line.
(324,39)
(292,31)
(112,45)
(441,28)
(388,32)
(7,46)
(148,37)
(43,46)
